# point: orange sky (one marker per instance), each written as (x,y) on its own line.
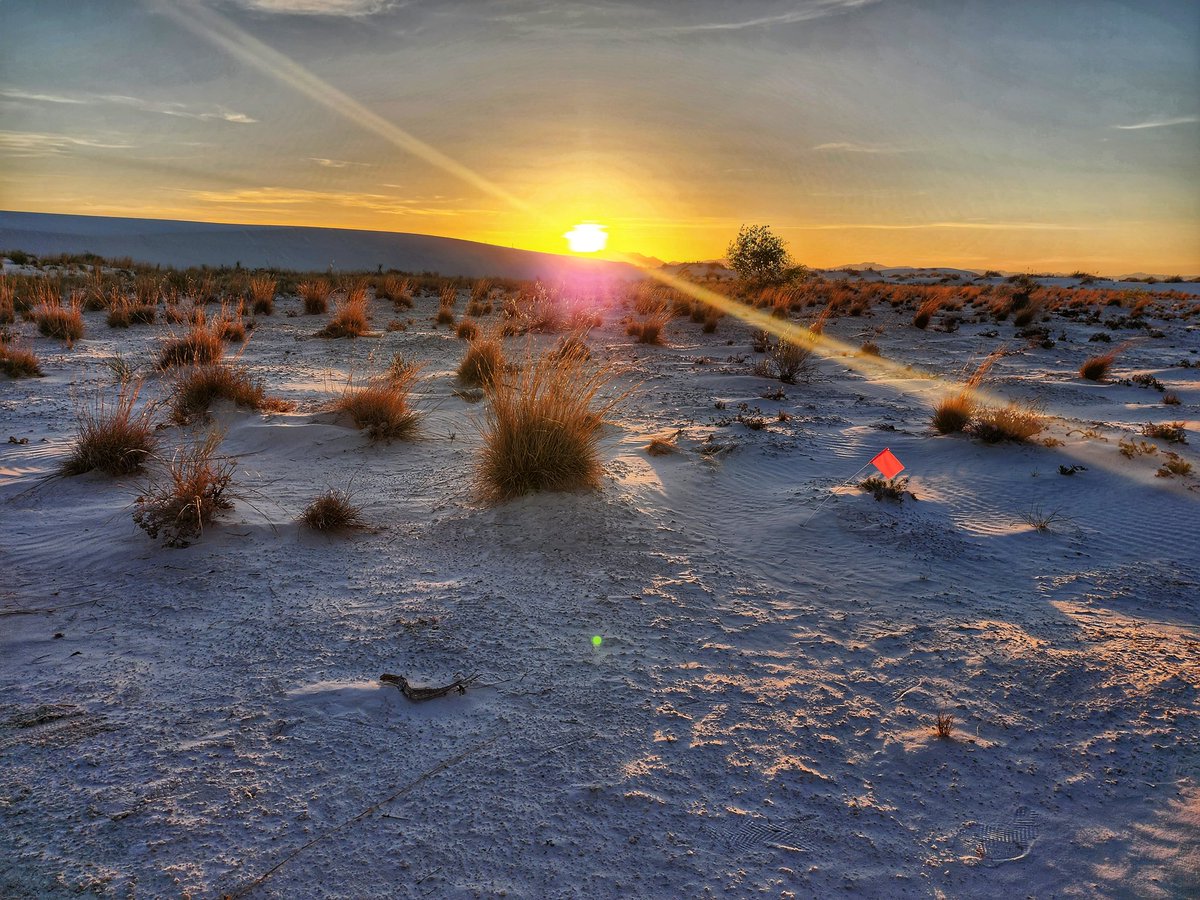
(1055,138)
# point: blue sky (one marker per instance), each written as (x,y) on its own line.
(1022,135)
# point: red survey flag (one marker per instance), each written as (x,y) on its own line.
(887,463)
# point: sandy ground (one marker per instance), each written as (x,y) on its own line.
(758,718)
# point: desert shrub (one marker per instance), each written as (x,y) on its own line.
(350,319)
(1013,422)
(445,315)
(1040,520)
(758,254)
(1170,399)
(382,407)
(1095,368)
(952,414)
(110,436)
(200,346)
(870,348)
(1171,432)
(181,502)
(710,323)
(315,295)
(482,361)
(18,363)
(332,510)
(198,388)
(1130,448)
(541,428)
(467,330)
(885,489)
(1173,465)
(58,321)
(943,725)
(793,361)
(760,340)
(262,295)
(1146,380)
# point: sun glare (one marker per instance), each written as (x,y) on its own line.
(586,238)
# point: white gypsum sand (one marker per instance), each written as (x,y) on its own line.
(759,715)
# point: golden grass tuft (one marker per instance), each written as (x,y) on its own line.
(663,446)
(382,407)
(467,330)
(482,362)
(180,503)
(952,414)
(350,319)
(262,295)
(198,388)
(110,436)
(16,362)
(200,346)
(540,430)
(332,510)
(1014,423)
(315,295)
(58,321)
(1096,368)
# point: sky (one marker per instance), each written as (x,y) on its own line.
(1012,134)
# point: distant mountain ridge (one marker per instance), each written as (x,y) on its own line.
(182,244)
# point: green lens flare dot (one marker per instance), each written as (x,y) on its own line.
(597,640)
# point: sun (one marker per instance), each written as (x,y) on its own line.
(587,237)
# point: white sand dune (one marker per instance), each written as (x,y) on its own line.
(182,244)
(758,717)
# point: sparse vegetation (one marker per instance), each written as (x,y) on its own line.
(315,295)
(111,437)
(885,488)
(200,346)
(1130,448)
(332,511)
(181,502)
(350,319)
(943,725)
(1174,464)
(262,295)
(1040,520)
(1171,432)
(540,430)
(16,362)
(197,388)
(382,407)
(1096,368)
(1014,422)
(482,361)
(952,414)
(58,321)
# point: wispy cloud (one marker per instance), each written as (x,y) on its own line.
(180,110)
(33,144)
(853,147)
(802,12)
(274,197)
(337,163)
(1159,123)
(319,7)
(14,94)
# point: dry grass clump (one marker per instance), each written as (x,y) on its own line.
(383,407)
(262,295)
(870,348)
(1095,368)
(7,301)
(482,362)
(1174,465)
(467,330)
(398,290)
(18,363)
(111,437)
(663,446)
(198,388)
(181,502)
(952,414)
(1171,432)
(58,321)
(350,319)
(649,329)
(792,361)
(229,326)
(541,428)
(200,346)
(1170,399)
(572,344)
(315,295)
(332,510)
(124,311)
(1014,422)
